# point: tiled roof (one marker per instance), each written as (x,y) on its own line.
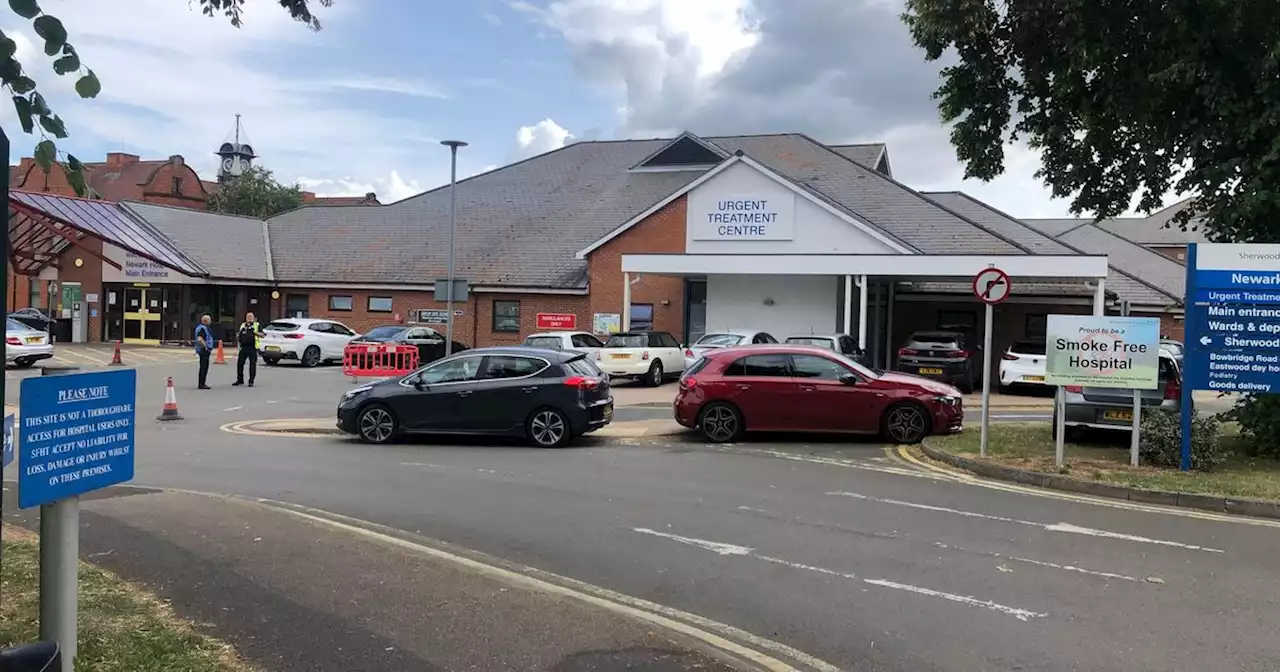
(226,246)
(868,154)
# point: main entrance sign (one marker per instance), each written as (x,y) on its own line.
(1233,318)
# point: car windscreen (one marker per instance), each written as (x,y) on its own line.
(720,340)
(862,369)
(1028,348)
(281,326)
(816,341)
(548,342)
(383,333)
(627,341)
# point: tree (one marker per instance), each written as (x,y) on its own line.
(1124,99)
(34,113)
(256,193)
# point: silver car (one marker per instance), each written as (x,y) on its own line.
(1112,409)
(723,339)
(841,343)
(25,346)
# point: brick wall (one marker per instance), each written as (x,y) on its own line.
(89,275)
(663,232)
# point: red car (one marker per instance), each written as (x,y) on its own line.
(795,388)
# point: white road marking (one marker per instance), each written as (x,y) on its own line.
(847,464)
(426,465)
(233,408)
(721,548)
(272,401)
(1054,527)
(135,353)
(1040,563)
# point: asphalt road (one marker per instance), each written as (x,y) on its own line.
(866,565)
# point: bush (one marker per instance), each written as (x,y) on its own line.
(1259,418)
(1160,443)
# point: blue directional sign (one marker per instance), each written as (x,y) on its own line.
(76,435)
(8,441)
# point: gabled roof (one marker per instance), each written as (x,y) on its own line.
(1156,230)
(226,246)
(874,155)
(686,149)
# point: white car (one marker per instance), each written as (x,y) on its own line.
(566,340)
(724,339)
(1023,364)
(305,340)
(651,356)
(24,346)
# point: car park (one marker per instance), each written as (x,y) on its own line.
(428,341)
(25,346)
(1111,409)
(1023,365)
(566,340)
(796,388)
(841,343)
(649,356)
(943,355)
(548,397)
(306,340)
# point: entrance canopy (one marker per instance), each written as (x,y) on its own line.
(948,267)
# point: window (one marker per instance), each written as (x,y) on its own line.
(815,341)
(451,371)
(661,339)
(321,327)
(951,319)
(1028,348)
(724,340)
(281,326)
(297,305)
(583,367)
(506,316)
(507,366)
(763,338)
(421,334)
(627,341)
(1037,327)
(821,368)
(379,304)
(771,366)
(340,303)
(383,333)
(545,342)
(585,341)
(642,316)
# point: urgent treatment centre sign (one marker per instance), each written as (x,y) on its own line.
(77,434)
(766,215)
(1103,351)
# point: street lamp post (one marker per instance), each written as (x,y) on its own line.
(453,146)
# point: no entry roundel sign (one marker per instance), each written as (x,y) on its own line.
(991,285)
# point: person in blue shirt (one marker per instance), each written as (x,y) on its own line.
(204,346)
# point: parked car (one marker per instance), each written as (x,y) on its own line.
(944,355)
(1112,409)
(566,340)
(430,343)
(1175,348)
(841,343)
(306,340)
(549,397)
(808,389)
(34,318)
(651,356)
(1023,364)
(24,346)
(724,339)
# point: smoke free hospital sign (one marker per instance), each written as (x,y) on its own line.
(1103,351)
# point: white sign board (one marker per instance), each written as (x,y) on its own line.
(137,268)
(1103,351)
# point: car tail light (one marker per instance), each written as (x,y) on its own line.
(1172,389)
(688,352)
(294,336)
(645,356)
(13,340)
(957,354)
(1074,389)
(1010,357)
(907,352)
(582,382)
(688,383)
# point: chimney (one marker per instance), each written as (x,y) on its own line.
(176,160)
(120,159)
(371,198)
(308,197)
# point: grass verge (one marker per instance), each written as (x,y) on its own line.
(122,628)
(1030,446)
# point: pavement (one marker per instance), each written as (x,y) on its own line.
(827,551)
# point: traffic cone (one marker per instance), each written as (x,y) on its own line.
(170,411)
(115,359)
(219,358)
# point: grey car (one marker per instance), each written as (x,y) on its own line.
(1112,409)
(841,343)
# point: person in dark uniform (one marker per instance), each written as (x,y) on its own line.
(248,338)
(204,345)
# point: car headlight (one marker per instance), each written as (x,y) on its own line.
(947,399)
(350,394)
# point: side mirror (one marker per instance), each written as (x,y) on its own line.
(848,379)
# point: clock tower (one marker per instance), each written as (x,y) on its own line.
(235,156)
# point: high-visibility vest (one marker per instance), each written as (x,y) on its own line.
(257,340)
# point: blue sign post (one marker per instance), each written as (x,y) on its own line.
(1232,324)
(76,436)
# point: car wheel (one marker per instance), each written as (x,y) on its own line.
(270,361)
(376,424)
(654,377)
(311,357)
(721,423)
(548,428)
(905,423)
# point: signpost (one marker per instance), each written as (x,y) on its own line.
(1101,351)
(1233,324)
(557,321)
(991,286)
(76,436)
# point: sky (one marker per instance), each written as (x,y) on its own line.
(361,105)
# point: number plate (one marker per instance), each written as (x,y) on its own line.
(272,348)
(931,372)
(34,339)
(1033,379)
(619,356)
(1127,416)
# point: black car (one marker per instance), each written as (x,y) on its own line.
(430,343)
(945,355)
(548,397)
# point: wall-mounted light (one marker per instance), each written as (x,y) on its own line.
(79,262)
(666,302)
(275,294)
(768,301)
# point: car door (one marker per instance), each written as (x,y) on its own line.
(669,349)
(507,390)
(826,403)
(441,399)
(762,387)
(318,334)
(340,336)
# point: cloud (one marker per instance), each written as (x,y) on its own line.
(540,138)
(389,189)
(388,85)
